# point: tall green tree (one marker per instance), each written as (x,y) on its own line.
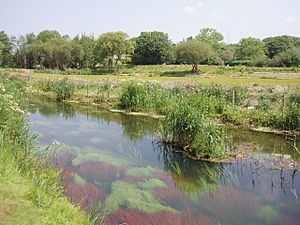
(250,49)
(111,47)
(214,38)
(88,44)
(153,48)
(6,46)
(278,44)
(193,52)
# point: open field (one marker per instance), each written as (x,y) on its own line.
(207,74)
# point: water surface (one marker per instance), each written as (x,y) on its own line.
(113,165)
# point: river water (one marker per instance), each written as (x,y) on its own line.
(113,166)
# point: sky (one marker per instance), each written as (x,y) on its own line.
(235,19)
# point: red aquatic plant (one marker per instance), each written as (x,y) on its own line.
(193,217)
(290,215)
(100,171)
(137,217)
(170,196)
(231,205)
(85,195)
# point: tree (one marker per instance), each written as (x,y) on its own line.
(111,47)
(250,48)
(88,44)
(153,48)
(209,35)
(5,49)
(278,44)
(214,38)
(193,52)
(290,57)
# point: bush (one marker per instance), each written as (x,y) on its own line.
(185,127)
(64,89)
(292,117)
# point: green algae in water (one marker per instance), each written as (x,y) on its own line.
(141,171)
(72,134)
(150,184)
(101,156)
(130,196)
(96,140)
(267,215)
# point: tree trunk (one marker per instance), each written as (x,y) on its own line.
(195,68)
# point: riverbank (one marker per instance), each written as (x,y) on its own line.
(30,189)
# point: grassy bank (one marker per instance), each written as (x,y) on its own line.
(30,190)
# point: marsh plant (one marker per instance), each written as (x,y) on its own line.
(64,89)
(186,127)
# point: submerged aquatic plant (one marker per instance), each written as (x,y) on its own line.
(125,195)
(140,171)
(87,196)
(99,171)
(137,217)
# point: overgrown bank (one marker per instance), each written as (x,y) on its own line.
(30,190)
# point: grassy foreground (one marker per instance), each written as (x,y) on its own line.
(30,191)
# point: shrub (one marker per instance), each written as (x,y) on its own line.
(64,89)
(292,117)
(186,127)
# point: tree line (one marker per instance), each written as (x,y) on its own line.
(50,49)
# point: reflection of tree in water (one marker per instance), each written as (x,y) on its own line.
(66,110)
(190,176)
(49,107)
(137,128)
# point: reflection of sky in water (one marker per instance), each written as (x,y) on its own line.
(234,193)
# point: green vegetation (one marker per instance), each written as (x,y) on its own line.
(51,50)
(132,197)
(64,89)
(140,171)
(30,189)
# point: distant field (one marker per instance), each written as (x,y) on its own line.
(179,73)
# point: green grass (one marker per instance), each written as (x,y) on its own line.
(30,189)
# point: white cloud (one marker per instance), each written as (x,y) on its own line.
(190,9)
(193,8)
(215,15)
(199,4)
(290,19)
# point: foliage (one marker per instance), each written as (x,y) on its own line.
(64,89)
(30,187)
(288,58)
(6,46)
(250,48)
(279,44)
(138,96)
(185,126)
(111,47)
(193,52)
(153,48)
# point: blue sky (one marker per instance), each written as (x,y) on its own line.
(179,18)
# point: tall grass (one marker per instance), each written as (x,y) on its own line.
(33,173)
(64,89)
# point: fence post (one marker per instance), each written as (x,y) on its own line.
(283,104)
(233,97)
(87,89)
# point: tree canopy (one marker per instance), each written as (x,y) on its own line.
(193,52)
(153,48)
